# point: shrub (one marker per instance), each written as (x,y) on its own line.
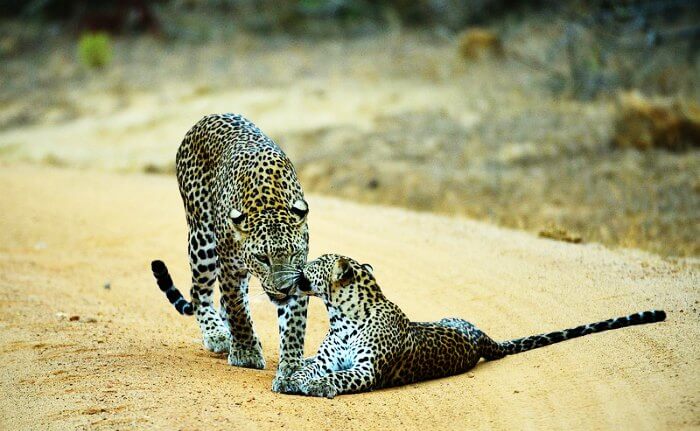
(95,50)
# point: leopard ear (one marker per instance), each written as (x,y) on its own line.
(368,268)
(343,272)
(300,209)
(237,220)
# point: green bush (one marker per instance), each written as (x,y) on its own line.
(95,50)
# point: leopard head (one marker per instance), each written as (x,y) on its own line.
(337,280)
(275,245)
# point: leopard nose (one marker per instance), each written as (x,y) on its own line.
(304,284)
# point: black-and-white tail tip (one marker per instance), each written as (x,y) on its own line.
(536,341)
(165,283)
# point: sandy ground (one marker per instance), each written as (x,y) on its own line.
(130,362)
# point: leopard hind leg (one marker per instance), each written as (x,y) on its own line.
(485,346)
(203,263)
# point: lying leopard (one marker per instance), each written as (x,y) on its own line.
(372,344)
(246,215)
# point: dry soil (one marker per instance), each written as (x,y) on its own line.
(77,245)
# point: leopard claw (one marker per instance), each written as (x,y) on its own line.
(319,388)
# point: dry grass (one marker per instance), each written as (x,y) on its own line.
(430,162)
(478,43)
(645,123)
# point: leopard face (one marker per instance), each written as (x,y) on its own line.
(274,244)
(336,279)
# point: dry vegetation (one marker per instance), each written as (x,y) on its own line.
(644,124)
(419,119)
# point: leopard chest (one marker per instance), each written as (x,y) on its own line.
(347,341)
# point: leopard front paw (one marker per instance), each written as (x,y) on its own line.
(319,388)
(286,385)
(283,377)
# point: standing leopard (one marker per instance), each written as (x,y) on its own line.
(246,215)
(371,343)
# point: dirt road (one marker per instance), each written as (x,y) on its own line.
(130,362)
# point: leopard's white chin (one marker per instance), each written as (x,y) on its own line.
(278,298)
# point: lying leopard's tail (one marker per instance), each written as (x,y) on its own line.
(511,347)
(165,283)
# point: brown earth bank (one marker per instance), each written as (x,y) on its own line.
(77,245)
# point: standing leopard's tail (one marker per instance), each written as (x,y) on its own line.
(165,283)
(496,350)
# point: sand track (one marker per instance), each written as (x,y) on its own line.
(132,362)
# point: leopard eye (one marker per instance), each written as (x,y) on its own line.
(262,259)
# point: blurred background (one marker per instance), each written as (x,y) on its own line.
(575,120)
